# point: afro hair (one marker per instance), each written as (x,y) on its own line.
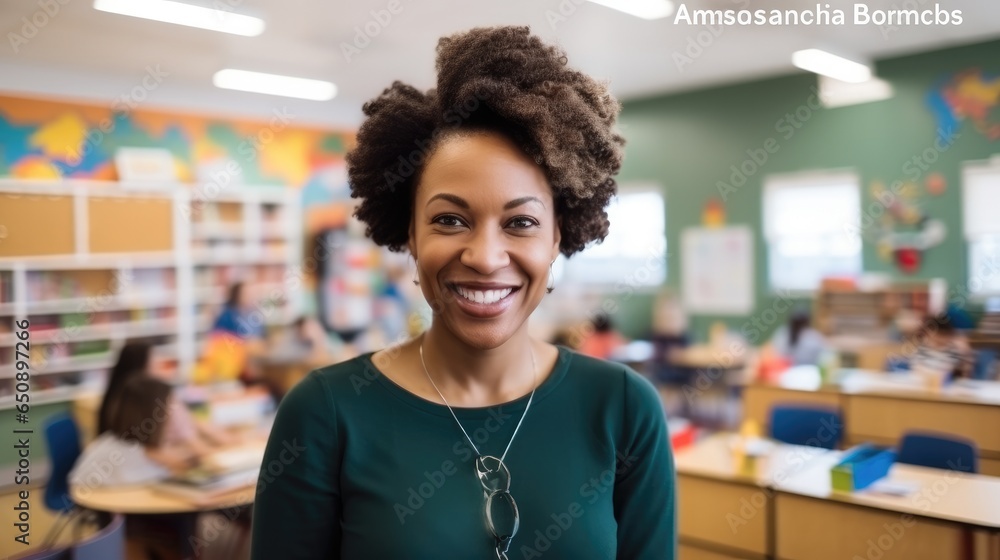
(502,79)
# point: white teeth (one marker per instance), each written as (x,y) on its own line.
(487,296)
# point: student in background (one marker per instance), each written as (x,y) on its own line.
(603,341)
(237,315)
(798,342)
(133,359)
(304,338)
(941,346)
(137,441)
(139,448)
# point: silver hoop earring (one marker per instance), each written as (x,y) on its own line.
(552,280)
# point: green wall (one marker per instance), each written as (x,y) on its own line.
(687,143)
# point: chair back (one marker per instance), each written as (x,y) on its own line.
(107,544)
(63,440)
(983,368)
(939,451)
(52,554)
(815,426)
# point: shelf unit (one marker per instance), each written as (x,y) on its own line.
(92,264)
(840,311)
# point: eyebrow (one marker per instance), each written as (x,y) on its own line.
(459,201)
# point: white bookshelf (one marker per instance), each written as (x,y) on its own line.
(167,298)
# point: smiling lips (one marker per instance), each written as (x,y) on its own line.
(484,301)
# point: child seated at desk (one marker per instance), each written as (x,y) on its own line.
(940,345)
(142,444)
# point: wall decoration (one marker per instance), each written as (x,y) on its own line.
(970,94)
(43,139)
(714,213)
(935,184)
(717,270)
(904,231)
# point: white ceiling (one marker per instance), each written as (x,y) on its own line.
(86,54)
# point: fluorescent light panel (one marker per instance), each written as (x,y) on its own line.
(646,9)
(273,84)
(835,93)
(185,14)
(827,64)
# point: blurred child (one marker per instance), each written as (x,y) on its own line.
(137,446)
(603,341)
(306,338)
(941,346)
(133,359)
(798,342)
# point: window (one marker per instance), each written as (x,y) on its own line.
(981,199)
(633,253)
(811,228)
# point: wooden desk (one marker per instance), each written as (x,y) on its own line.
(703,356)
(147,499)
(725,505)
(880,407)
(950,515)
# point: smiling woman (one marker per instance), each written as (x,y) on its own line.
(484,180)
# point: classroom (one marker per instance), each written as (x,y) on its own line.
(635,279)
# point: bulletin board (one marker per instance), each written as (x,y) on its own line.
(36,225)
(717,270)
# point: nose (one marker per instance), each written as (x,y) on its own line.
(486,251)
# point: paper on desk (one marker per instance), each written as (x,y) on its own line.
(891,487)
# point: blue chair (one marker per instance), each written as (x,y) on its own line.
(984,364)
(939,451)
(106,544)
(64,449)
(815,426)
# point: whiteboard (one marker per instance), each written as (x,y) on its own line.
(717,270)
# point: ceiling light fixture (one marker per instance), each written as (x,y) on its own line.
(274,84)
(827,64)
(180,13)
(835,93)
(646,9)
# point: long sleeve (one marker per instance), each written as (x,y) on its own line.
(297,511)
(645,489)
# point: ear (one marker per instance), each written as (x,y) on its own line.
(410,243)
(557,238)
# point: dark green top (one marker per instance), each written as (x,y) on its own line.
(358,468)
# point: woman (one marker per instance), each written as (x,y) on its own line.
(421,450)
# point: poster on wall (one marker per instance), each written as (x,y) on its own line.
(717,270)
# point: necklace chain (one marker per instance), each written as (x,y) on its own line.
(534,374)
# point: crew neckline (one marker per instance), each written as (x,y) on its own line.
(551,382)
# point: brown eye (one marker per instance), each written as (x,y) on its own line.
(522,222)
(448,220)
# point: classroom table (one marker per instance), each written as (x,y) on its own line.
(881,407)
(148,499)
(939,515)
(780,506)
(725,505)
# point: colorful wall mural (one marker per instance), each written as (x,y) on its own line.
(48,139)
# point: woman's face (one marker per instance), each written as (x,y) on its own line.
(484,233)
